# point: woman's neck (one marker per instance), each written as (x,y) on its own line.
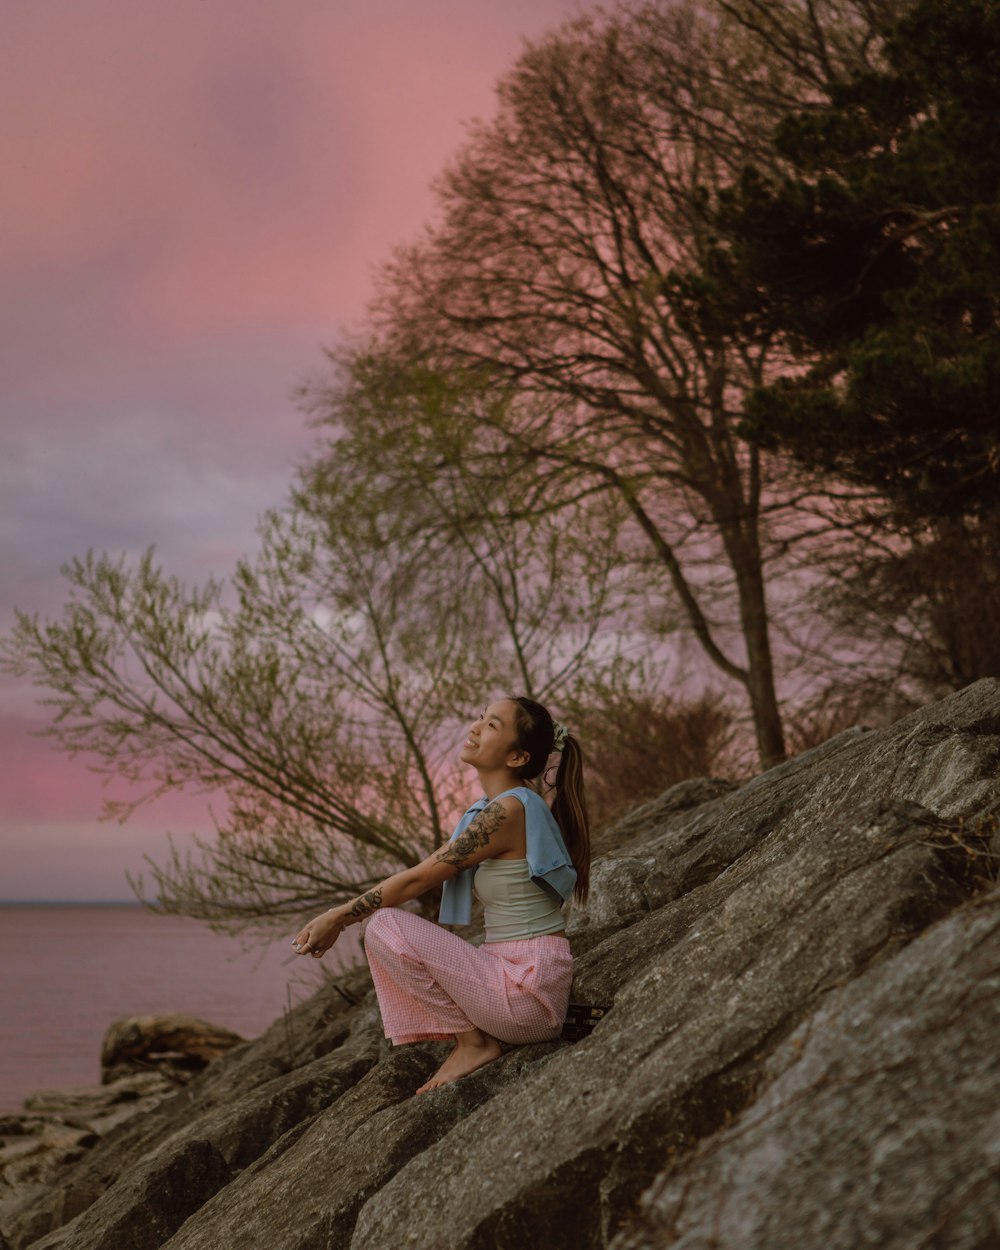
(497,783)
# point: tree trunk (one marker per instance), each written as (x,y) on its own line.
(737,527)
(735,512)
(760,670)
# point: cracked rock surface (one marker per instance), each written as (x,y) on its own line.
(804,974)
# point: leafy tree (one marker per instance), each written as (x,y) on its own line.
(559,271)
(320,690)
(921,604)
(871,253)
(420,443)
(875,255)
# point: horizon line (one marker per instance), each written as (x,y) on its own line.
(75,902)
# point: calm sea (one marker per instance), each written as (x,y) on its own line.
(68,970)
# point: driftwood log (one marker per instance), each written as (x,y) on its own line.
(172,1043)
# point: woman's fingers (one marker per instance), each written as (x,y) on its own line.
(303,946)
(306,944)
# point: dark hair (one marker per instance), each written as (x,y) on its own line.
(535,732)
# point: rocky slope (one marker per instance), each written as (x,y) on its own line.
(802,1050)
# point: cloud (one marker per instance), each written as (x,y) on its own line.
(194,197)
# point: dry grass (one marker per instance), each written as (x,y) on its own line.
(637,747)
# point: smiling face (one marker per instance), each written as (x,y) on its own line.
(489,744)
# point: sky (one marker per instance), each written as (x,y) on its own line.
(194,199)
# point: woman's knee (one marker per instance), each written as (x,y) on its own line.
(382,920)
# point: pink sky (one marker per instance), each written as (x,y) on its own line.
(194,196)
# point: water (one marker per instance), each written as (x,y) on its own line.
(68,970)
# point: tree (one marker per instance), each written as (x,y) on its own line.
(415,441)
(922,603)
(560,269)
(321,691)
(872,253)
(876,255)
(648,741)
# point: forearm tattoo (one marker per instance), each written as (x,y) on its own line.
(476,836)
(369,902)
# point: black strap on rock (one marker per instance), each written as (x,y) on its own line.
(581,1019)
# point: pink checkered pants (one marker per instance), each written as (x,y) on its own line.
(432,984)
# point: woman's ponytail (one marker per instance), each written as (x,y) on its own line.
(569,807)
(539,735)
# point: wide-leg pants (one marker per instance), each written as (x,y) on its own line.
(433,984)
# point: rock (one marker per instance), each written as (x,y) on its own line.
(681,797)
(140,1218)
(91,1100)
(242,1089)
(703,988)
(175,1043)
(15,1125)
(40,1149)
(905,1058)
(59,1126)
(225,1142)
(801,1050)
(379,1109)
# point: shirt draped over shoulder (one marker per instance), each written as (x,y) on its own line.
(549,863)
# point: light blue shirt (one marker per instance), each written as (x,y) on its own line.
(549,862)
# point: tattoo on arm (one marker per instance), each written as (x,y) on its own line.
(476,836)
(369,902)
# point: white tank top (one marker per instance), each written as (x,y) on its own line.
(515,907)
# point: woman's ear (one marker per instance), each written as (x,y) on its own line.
(517,758)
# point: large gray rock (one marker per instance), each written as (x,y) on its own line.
(330,1170)
(893,1077)
(801,1051)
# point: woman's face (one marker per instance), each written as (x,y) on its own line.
(489,743)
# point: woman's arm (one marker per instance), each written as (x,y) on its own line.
(491,833)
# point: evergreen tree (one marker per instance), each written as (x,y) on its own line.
(876,258)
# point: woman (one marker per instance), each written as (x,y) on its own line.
(523,862)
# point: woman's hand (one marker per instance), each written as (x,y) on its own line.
(319,935)
(493,831)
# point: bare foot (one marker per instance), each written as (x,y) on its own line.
(472,1051)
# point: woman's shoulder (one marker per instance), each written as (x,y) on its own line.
(528,797)
(537,812)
